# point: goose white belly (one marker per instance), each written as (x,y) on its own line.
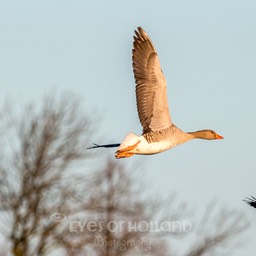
(146,148)
(148,144)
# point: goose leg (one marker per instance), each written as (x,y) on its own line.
(124,152)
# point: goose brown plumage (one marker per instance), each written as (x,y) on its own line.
(159,132)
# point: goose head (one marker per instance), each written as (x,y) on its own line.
(206,135)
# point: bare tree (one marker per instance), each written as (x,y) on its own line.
(118,221)
(45,143)
(39,191)
(55,200)
(217,231)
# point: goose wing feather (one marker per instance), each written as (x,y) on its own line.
(151,94)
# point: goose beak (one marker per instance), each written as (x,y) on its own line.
(218,137)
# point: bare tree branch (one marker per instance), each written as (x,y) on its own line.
(216,230)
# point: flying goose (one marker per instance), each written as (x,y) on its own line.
(251,201)
(159,133)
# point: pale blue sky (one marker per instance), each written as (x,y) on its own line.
(207,51)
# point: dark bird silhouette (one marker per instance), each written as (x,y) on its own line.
(251,201)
